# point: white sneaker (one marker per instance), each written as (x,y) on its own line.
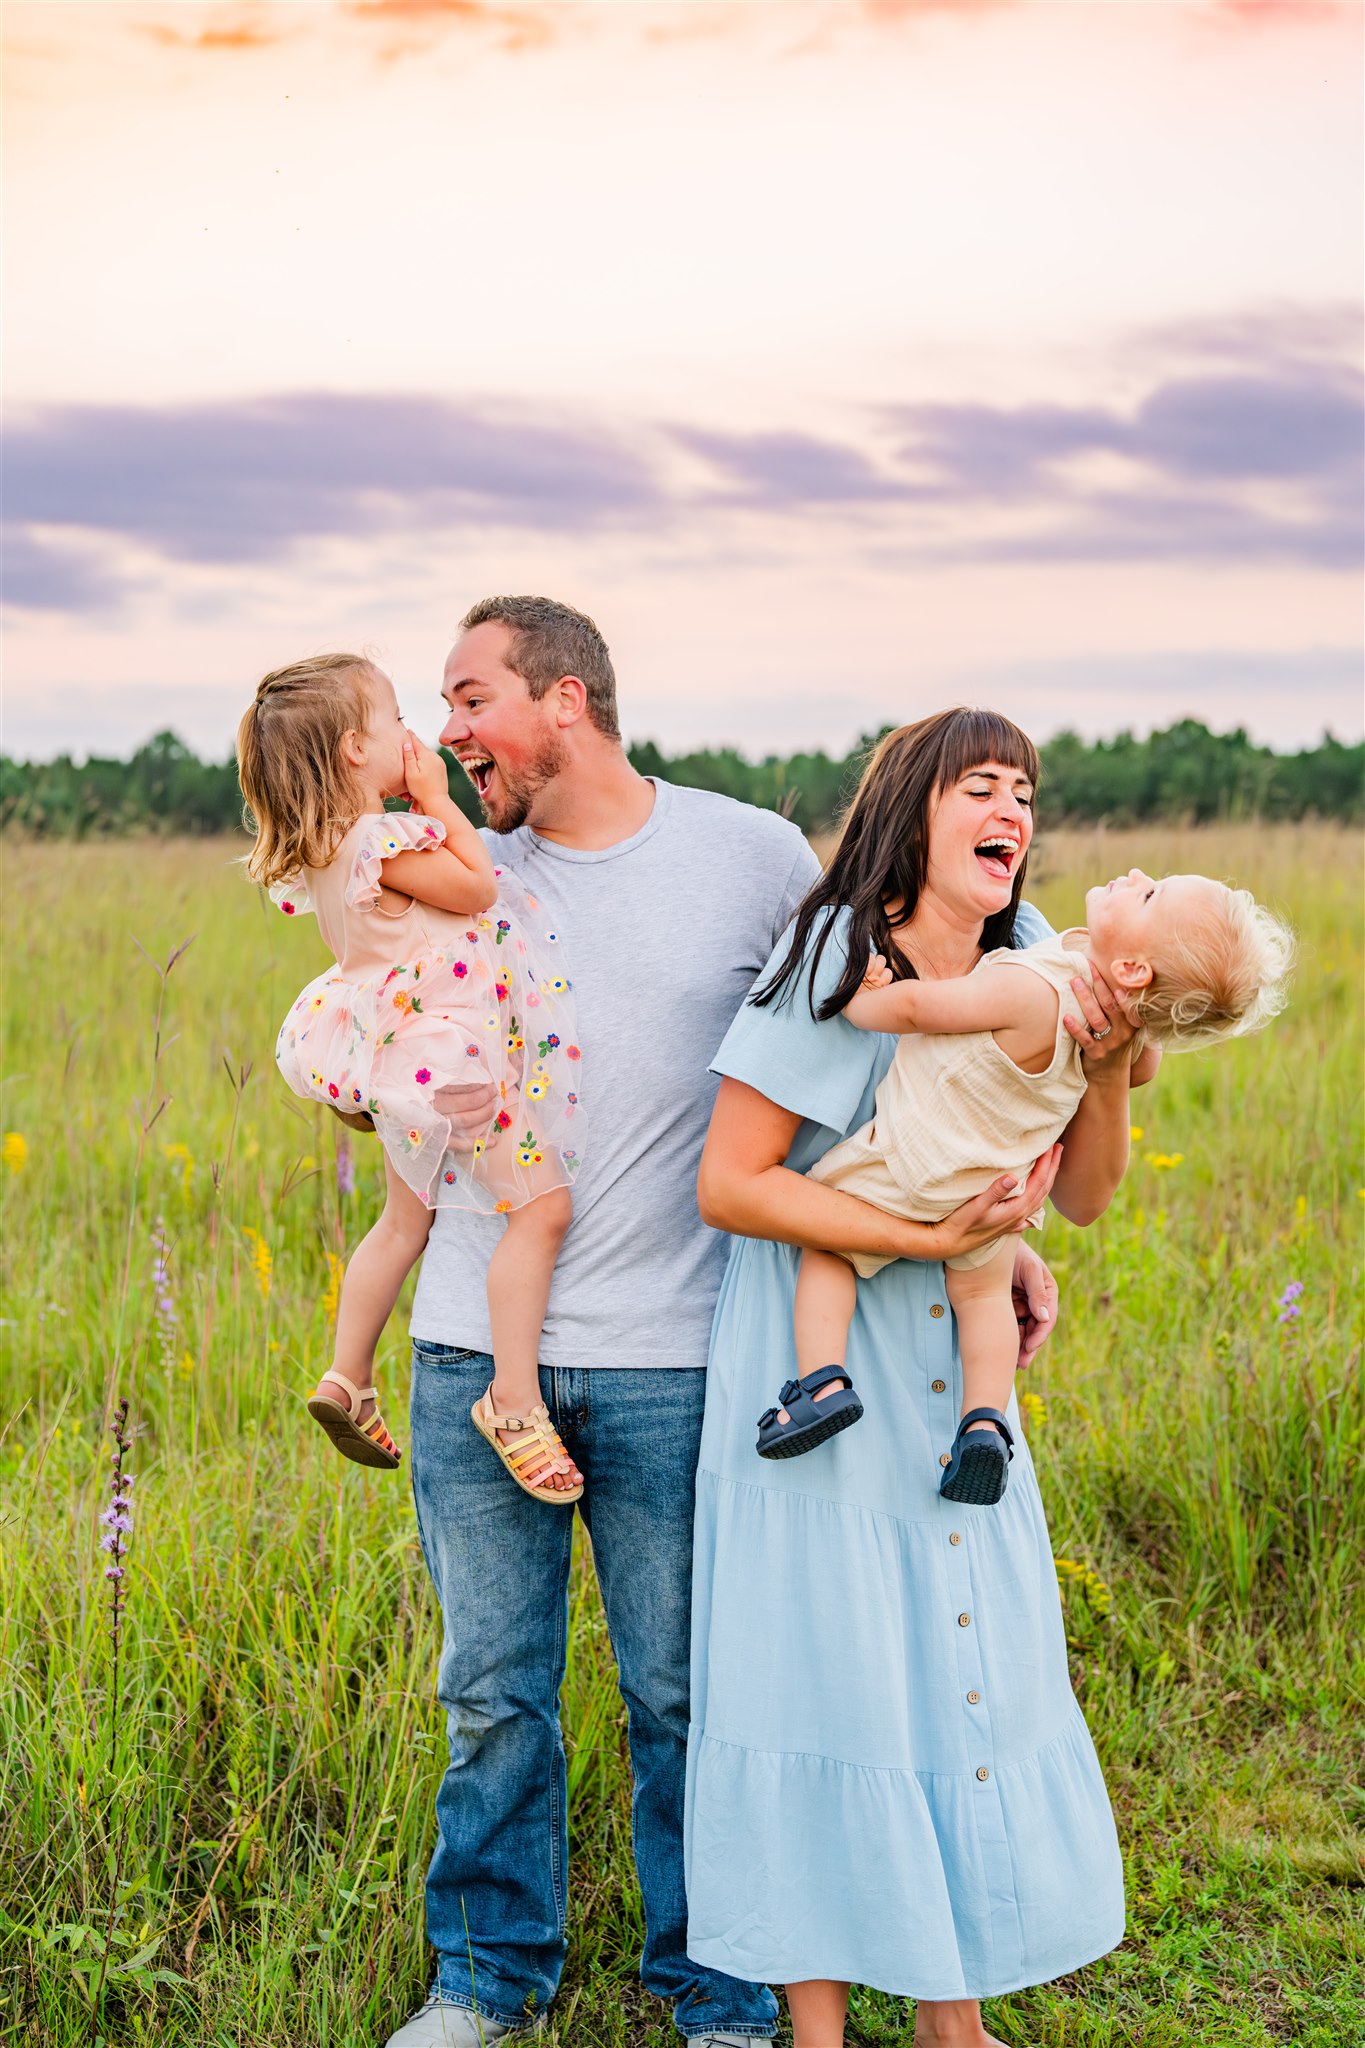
(440,2025)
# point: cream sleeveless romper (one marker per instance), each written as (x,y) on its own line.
(953,1111)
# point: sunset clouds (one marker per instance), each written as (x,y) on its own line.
(838,358)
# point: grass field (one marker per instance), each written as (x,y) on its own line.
(229,1848)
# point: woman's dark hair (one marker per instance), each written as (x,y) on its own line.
(883,850)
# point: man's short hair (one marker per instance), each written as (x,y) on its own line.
(550,640)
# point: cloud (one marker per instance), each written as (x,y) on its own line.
(42,575)
(1279,13)
(1236,462)
(1247,464)
(1220,428)
(241,35)
(510,28)
(240,482)
(784,471)
(1325,339)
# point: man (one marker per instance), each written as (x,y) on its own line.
(666,902)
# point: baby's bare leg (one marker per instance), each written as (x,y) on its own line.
(987,1332)
(519,1275)
(826,1295)
(374,1278)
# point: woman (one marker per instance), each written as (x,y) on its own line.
(889,1779)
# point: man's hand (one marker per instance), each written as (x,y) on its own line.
(471,1107)
(1035,1303)
(354,1119)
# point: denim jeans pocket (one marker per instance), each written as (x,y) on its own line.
(424,1352)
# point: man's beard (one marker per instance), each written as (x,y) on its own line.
(520,790)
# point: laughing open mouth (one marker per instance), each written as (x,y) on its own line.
(479,769)
(998,855)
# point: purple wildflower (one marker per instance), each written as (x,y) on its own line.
(166,1318)
(345,1168)
(117,1523)
(1288,1303)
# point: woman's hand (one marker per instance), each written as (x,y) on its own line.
(1001,1210)
(1104,1031)
(424,773)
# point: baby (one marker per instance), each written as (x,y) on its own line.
(986,1078)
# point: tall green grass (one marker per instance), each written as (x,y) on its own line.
(249,1869)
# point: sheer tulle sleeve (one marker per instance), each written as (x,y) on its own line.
(395,832)
(291,896)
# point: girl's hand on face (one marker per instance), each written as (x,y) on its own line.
(424,773)
(1104,1032)
(1001,1210)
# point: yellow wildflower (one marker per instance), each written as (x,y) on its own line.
(1137,1133)
(261,1261)
(15,1151)
(1034,1410)
(187,1365)
(336,1272)
(1164,1160)
(180,1155)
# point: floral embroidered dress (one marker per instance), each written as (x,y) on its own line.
(420,998)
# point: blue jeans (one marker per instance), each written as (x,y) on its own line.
(497,1887)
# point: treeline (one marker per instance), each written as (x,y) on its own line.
(1185,772)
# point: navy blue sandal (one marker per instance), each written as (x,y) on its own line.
(810,1422)
(979,1469)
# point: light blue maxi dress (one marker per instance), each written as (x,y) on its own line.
(889,1779)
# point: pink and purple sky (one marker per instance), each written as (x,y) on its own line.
(844,360)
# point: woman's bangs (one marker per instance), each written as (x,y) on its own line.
(976,737)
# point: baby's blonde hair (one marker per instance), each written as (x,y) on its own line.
(301,797)
(1223,973)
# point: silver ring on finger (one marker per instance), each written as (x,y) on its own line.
(1097,1035)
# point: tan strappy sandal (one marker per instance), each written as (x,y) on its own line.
(366,1444)
(537,1442)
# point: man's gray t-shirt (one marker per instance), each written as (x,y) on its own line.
(662,936)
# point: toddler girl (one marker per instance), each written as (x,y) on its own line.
(445,977)
(987,1077)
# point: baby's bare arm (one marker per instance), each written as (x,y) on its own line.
(992,999)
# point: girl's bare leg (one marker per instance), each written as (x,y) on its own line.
(987,1332)
(519,1275)
(818,2007)
(374,1278)
(951,2023)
